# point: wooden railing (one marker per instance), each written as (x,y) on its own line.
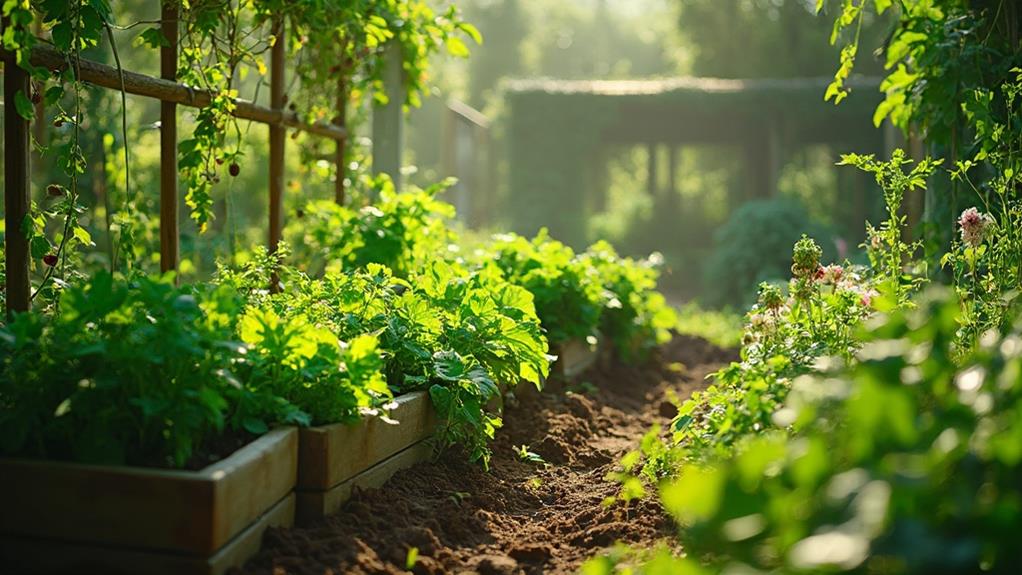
(387,127)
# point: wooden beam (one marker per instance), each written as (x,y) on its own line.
(276,137)
(167,91)
(16,187)
(169,233)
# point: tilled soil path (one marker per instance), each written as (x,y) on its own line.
(520,517)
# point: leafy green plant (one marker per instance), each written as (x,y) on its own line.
(400,230)
(125,373)
(568,293)
(308,366)
(636,317)
(859,489)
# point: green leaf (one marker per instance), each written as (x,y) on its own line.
(24,106)
(82,235)
(255,425)
(40,246)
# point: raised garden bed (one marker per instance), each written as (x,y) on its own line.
(77,518)
(334,460)
(574,357)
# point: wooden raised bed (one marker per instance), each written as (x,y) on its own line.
(335,459)
(88,518)
(574,357)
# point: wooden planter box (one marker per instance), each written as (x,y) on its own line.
(77,518)
(336,459)
(574,357)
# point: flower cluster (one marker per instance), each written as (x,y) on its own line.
(806,258)
(974,226)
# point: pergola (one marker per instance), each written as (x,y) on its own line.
(559,132)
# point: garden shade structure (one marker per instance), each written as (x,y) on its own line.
(559,131)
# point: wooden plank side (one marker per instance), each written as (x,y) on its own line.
(574,357)
(248,542)
(247,484)
(31,555)
(168,510)
(145,508)
(330,454)
(313,505)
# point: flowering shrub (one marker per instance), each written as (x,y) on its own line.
(928,483)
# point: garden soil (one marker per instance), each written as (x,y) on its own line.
(520,517)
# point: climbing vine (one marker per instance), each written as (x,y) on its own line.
(335,54)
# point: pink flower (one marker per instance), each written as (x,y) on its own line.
(974,224)
(833,274)
(866,296)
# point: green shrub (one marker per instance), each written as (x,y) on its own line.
(753,247)
(402,231)
(568,293)
(636,317)
(136,373)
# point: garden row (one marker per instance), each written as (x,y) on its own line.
(149,424)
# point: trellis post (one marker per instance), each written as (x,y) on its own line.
(16,186)
(169,231)
(341,144)
(276,136)
(388,119)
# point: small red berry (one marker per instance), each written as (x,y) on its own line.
(36,97)
(50,259)
(234,169)
(219,161)
(54,191)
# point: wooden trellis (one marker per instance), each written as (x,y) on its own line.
(170,93)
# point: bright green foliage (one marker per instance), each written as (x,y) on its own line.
(986,259)
(905,462)
(889,254)
(401,230)
(636,317)
(454,332)
(310,367)
(722,328)
(569,294)
(124,373)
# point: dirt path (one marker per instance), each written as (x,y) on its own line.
(521,517)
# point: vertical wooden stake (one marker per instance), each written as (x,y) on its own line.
(169,231)
(16,187)
(276,136)
(340,151)
(388,120)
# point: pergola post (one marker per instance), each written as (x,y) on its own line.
(16,186)
(169,231)
(276,137)
(388,119)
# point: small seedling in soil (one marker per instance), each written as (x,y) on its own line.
(583,388)
(525,455)
(411,558)
(458,496)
